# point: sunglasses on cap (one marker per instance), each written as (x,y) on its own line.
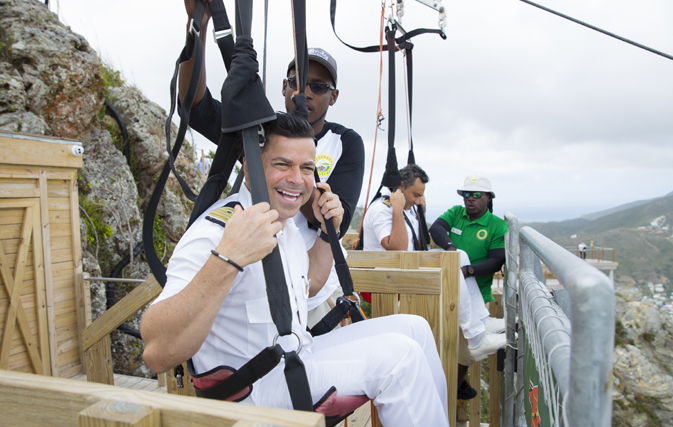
(316,87)
(474,194)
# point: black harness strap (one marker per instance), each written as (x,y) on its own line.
(193,47)
(243,377)
(343,307)
(376,48)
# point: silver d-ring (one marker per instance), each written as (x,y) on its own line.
(275,340)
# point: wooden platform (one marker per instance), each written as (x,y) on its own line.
(360,418)
(128,381)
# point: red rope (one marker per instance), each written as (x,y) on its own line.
(379,114)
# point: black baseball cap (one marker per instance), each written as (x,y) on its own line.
(322,57)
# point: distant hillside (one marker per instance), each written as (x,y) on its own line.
(633,217)
(619,208)
(644,254)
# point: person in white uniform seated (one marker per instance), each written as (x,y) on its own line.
(214,307)
(391,223)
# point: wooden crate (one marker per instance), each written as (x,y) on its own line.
(41,305)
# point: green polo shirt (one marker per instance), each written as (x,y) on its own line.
(476,238)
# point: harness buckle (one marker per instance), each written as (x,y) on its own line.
(192,29)
(221,34)
(178,379)
(301,343)
(261,135)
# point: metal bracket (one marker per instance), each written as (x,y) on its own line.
(222,34)
(192,29)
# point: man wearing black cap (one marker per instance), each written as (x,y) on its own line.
(339,152)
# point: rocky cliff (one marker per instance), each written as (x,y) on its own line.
(53,83)
(643,387)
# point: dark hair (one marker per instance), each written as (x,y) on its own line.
(409,173)
(289,125)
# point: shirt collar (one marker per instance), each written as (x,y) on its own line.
(482,220)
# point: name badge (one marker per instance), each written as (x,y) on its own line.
(456,231)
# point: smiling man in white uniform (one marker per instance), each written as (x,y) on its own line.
(216,311)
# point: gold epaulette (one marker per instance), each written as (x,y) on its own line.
(387,203)
(221,215)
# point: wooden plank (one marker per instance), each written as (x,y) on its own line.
(172,383)
(58,216)
(13,287)
(64,242)
(396,281)
(475,404)
(29,339)
(18,184)
(28,172)
(494,389)
(450,264)
(108,413)
(98,362)
(59,230)
(118,313)
(32,401)
(72,370)
(408,304)
(386,259)
(384,304)
(68,358)
(9,172)
(48,275)
(11,193)
(13,216)
(32,152)
(61,256)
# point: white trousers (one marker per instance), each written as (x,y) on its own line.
(392,359)
(472,308)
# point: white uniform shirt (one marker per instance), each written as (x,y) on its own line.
(378,224)
(243,326)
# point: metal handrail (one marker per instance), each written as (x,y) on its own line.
(582,366)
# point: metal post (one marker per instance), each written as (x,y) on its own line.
(589,396)
(512,245)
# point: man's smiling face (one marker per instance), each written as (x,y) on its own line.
(289,165)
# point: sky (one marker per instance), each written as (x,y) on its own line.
(563,120)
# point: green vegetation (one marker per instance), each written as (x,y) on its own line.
(96,227)
(621,338)
(643,405)
(648,337)
(111,78)
(160,240)
(5,45)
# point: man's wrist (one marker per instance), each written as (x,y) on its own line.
(469,270)
(324,236)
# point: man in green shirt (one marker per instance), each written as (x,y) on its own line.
(475,230)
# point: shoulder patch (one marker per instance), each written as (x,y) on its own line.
(386,201)
(222,215)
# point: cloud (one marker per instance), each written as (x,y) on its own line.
(554,113)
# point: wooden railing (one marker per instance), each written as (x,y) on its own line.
(96,337)
(428,285)
(29,400)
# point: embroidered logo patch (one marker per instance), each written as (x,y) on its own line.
(482,234)
(324,165)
